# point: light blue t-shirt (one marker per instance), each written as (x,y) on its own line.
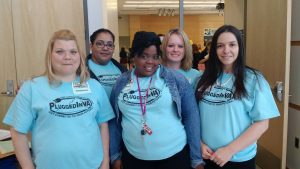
(168,137)
(191,75)
(224,118)
(106,74)
(64,122)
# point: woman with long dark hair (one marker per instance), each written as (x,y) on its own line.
(235,104)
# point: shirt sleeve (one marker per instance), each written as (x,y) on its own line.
(20,115)
(264,106)
(105,112)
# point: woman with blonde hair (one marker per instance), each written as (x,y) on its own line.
(65,111)
(177,54)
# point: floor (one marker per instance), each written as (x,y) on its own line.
(257,167)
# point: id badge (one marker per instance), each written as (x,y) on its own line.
(81,88)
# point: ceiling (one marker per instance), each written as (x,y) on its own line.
(166,7)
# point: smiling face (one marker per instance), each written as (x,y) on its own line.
(102,48)
(175,49)
(65,59)
(227,50)
(147,63)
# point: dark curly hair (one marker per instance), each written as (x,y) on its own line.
(99,31)
(143,40)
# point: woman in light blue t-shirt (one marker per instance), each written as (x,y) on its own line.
(177,54)
(157,118)
(235,103)
(65,111)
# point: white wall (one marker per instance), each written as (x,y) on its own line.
(104,14)
(293,154)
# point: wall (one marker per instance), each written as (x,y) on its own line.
(25,29)
(104,14)
(193,24)
(234,13)
(123,25)
(268,50)
(293,154)
(124,35)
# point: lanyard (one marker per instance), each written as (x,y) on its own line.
(143,106)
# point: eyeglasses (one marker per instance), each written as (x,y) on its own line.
(147,57)
(101,44)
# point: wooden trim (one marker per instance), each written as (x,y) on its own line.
(266,159)
(295,43)
(294,106)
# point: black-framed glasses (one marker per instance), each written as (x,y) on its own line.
(101,44)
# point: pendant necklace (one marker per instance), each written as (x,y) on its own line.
(218,83)
(145,128)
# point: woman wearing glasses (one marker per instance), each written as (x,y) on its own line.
(157,115)
(100,63)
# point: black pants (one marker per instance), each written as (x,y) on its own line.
(250,164)
(181,160)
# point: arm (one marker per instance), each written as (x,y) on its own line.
(191,121)
(117,164)
(105,142)
(251,135)
(203,60)
(115,142)
(22,151)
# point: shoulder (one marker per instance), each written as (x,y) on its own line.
(195,72)
(255,79)
(116,63)
(95,86)
(123,78)
(172,74)
(93,82)
(28,85)
(40,80)
(253,76)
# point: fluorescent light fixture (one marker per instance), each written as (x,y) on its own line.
(164,5)
(171,2)
(150,6)
(150,2)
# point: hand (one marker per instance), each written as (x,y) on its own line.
(117,164)
(201,166)
(206,151)
(104,165)
(221,156)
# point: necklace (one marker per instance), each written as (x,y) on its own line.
(218,83)
(145,128)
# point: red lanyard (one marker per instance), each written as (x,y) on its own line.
(143,106)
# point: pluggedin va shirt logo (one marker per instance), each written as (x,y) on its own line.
(218,95)
(132,97)
(108,80)
(70,106)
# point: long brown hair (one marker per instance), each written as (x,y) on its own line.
(214,67)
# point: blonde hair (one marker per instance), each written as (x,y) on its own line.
(186,62)
(82,71)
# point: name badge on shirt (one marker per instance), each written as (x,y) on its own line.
(81,88)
